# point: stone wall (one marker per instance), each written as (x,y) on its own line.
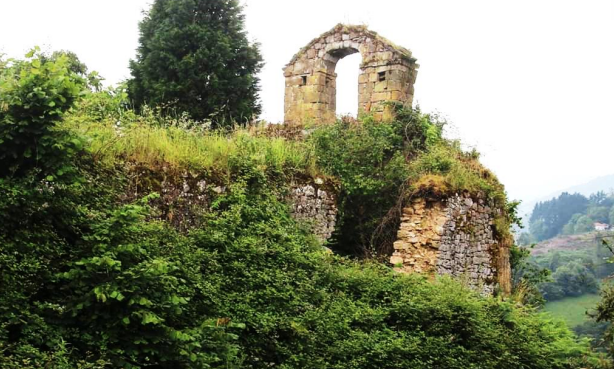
(316,205)
(454,237)
(185,197)
(387,73)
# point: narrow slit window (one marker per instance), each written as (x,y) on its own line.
(303,80)
(381,76)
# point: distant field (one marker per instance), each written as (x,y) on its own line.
(573,309)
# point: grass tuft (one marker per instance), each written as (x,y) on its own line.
(213,152)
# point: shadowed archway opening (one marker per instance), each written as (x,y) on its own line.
(348,70)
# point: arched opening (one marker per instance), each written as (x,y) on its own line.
(348,69)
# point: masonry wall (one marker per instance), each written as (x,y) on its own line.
(313,204)
(186,197)
(454,237)
(387,73)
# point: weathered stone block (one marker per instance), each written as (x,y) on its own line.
(322,55)
(381,86)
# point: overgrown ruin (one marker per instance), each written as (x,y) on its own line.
(387,73)
(447,234)
(453,236)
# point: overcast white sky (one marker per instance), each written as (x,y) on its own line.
(530,83)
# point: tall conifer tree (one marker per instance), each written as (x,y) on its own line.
(194,56)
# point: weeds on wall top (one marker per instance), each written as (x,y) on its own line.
(378,166)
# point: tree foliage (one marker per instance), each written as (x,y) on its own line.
(194,56)
(570,214)
(34,94)
(548,218)
(574,272)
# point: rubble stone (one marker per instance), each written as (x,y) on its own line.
(456,238)
(312,204)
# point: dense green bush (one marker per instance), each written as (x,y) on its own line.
(101,279)
(368,158)
(381,166)
(85,282)
(306,309)
(134,293)
(92,280)
(34,94)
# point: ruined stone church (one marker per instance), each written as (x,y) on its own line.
(454,236)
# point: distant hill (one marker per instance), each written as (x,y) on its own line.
(569,243)
(605,183)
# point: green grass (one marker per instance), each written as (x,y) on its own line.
(573,309)
(198,150)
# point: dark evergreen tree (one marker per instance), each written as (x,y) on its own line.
(194,56)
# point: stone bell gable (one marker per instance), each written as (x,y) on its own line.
(387,73)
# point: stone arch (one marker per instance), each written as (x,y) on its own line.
(387,73)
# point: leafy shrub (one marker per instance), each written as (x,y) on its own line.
(86,282)
(103,279)
(34,94)
(89,282)
(370,161)
(380,166)
(595,331)
(304,308)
